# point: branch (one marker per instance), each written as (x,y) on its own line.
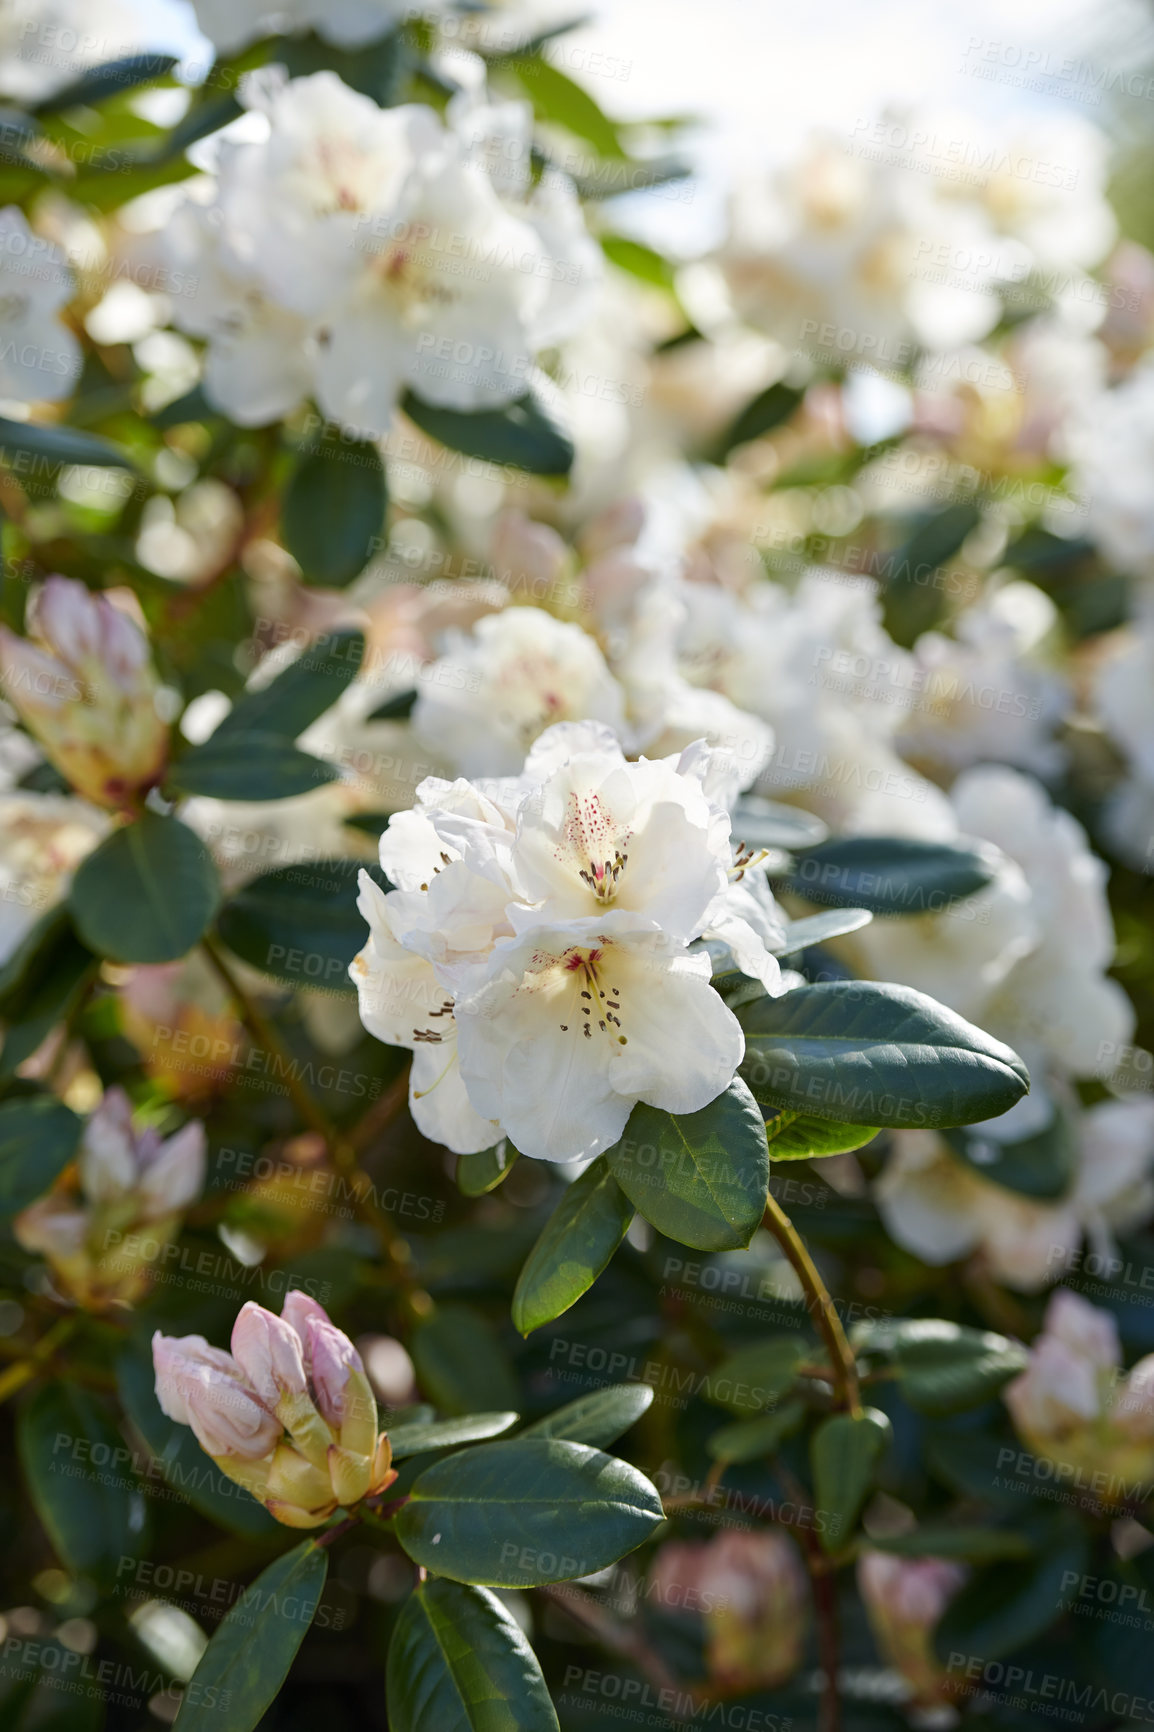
(821,1306)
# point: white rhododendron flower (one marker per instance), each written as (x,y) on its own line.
(538,952)
(46,45)
(942,1208)
(495,690)
(356,251)
(1111,444)
(40,358)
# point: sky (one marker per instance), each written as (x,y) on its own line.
(761,73)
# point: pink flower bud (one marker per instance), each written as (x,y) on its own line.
(85,687)
(298,1311)
(1132,1411)
(905,1599)
(1085,1330)
(107,1160)
(268,1351)
(201,1386)
(173,1177)
(753,1593)
(334,1360)
(1056,1393)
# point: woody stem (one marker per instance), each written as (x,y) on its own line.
(821,1307)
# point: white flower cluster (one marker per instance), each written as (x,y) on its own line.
(539,953)
(355,252)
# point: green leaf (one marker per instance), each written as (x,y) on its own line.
(844,1455)
(39,1135)
(459,1662)
(525,433)
(820,928)
(874,1054)
(699,1178)
(557,100)
(768,410)
(333,511)
(895,875)
(1043,1166)
(300,693)
(527,1512)
(147,893)
(300,923)
(750,1439)
(1010,1602)
(596,1419)
(576,1244)
(250,766)
(43,982)
(460,1363)
(181,1460)
(798,1137)
(57,446)
(639,260)
(912,601)
(112,78)
(242,1669)
(395,709)
(972,1544)
(481,1173)
(78,1471)
(772,824)
(417,1438)
(752,1379)
(944,1367)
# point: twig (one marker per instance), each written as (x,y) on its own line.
(38,1357)
(821,1306)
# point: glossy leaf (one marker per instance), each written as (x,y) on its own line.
(300,693)
(596,1419)
(699,1178)
(943,1367)
(576,1244)
(519,1514)
(845,1452)
(1043,1166)
(59,445)
(250,766)
(800,1137)
(752,1379)
(893,875)
(431,1434)
(78,1470)
(524,433)
(460,1662)
(300,923)
(39,1135)
(147,893)
(248,1659)
(481,1173)
(865,1053)
(333,511)
(750,1439)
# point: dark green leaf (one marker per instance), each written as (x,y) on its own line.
(147,893)
(417,1438)
(481,1173)
(944,1367)
(845,1452)
(301,692)
(248,1659)
(756,1376)
(750,1439)
(78,1470)
(39,1135)
(395,709)
(1008,1603)
(974,1545)
(596,1419)
(820,928)
(333,511)
(459,1662)
(519,1514)
(183,1463)
(113,78)
(893,874)
(299,923)
(767,410)
(58,446)
(524,434)
(879,1055)
(912,601)
(250,766)
(460,1362)
(1042,1166)
(798,1137)
(577,1242)
(46,978)
(700,1178)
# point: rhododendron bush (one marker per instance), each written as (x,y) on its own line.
(576,821)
